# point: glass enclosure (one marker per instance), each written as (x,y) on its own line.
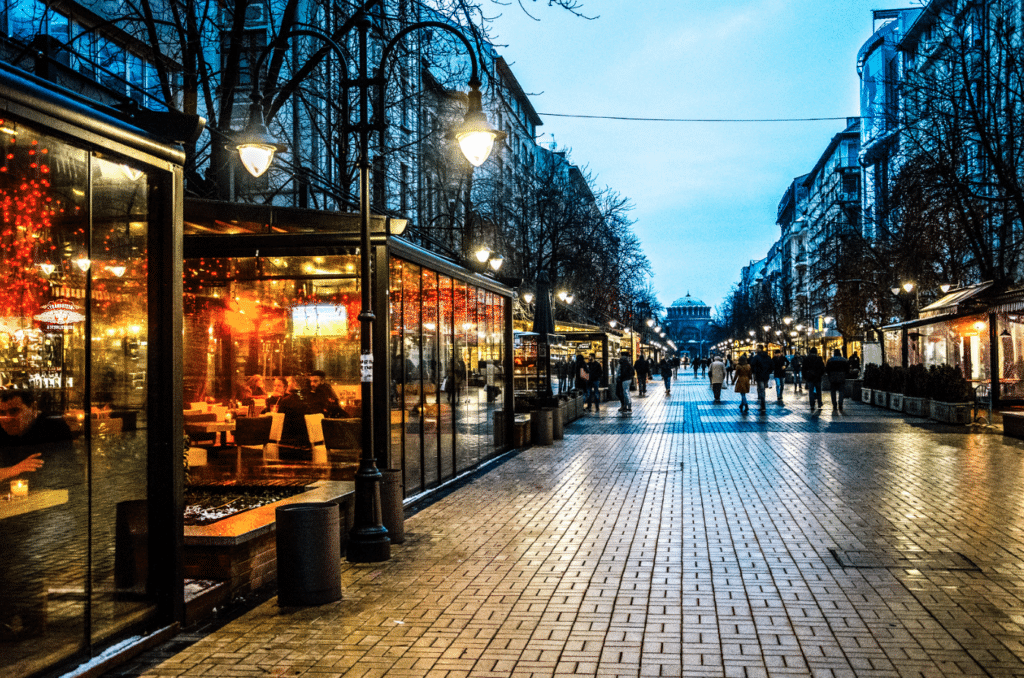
(271,373)
(73,370)
(447,346)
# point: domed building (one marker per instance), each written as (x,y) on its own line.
(689,320)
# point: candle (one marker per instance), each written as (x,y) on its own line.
(19,488)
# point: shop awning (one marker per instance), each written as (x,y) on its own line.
(967,299)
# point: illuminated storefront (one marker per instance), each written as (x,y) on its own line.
(89,312)
(272,297)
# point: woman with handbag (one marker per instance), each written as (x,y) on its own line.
(743,373)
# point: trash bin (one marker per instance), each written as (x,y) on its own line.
(308,554)
(393,511)
(499,429)
(557,432)
(542,421)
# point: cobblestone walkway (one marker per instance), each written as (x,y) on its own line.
(685,540)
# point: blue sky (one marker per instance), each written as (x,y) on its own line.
(705,194)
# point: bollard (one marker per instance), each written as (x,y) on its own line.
(542,426)
(392,510)
(308,554)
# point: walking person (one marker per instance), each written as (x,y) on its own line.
(696,367)
(641,369)
(854,366)
(796,364)
(761,366)
(704,362)
(581,378)
(717,373)
(675,367)
(836,368)
(562,370)
(596,374)
(625,378)
(814,370)
(742,386)
(779,365)
(730,370)
(666,375)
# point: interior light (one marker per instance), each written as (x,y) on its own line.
(117,270)
(83,263)
(47,268)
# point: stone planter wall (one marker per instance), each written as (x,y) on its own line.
(951,413)
(916,407)
(896,401)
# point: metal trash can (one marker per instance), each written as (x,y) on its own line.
(557,425)
(393,510)
(542,421)
(308,554)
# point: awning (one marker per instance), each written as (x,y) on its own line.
(957,300)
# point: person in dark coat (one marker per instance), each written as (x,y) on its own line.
(666,374)
(626,374)
(814,370)
(322,397)
(596,373)
(779,365)
(836,368)
(562,372)
(641,368)
(581,375)
(762,368)
(295,406)
(797,363)
(854,366)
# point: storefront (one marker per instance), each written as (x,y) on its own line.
(90,353)
(272,296)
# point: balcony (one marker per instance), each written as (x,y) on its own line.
(800,260)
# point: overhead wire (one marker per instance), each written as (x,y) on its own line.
(636,119)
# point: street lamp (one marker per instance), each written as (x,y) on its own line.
(368,542)
(528,297)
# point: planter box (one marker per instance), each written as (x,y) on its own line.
(865,395)
(896,401)
(916,407)
(951,413)
(854,388)
(881,398)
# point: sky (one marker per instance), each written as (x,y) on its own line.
(705,195)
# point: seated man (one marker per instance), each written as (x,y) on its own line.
(322,397)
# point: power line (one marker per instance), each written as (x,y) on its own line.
(631,119)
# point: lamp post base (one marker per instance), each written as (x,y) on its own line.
(368,541)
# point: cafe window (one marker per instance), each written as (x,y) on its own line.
(271,373)
(73,370)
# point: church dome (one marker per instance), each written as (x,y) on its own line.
(689,301)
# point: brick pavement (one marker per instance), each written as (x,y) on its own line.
(685,540)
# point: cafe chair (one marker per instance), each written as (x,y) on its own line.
(251,433)
(273,449)
(344,436)
(314,427)
(196,433)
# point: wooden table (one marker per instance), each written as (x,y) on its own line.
(37,500)
(216,427)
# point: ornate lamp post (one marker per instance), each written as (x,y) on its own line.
(369,540)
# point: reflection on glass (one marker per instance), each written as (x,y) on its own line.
(272,343)
(419,415)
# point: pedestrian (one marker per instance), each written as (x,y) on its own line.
(742,386)
(625,377)
(717,373)
(666,375)
(596,374)
(704,362)
(641,369)
(675,367)
(761,367)
(854,366)
(696,367)
(779,365)
(814,369)
(836,368)
(581,377)
(562,371)
(730,369)
(796,364)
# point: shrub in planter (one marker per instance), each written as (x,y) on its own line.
(915,391)
(897,378)
(950,395)
(871,376)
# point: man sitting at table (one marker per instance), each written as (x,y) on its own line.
(295,406)
(22,422)
(322,397)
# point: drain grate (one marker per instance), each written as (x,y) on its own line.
(909,560)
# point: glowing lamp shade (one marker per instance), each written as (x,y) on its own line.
(83,263)
(256,158)
(528,297)
(496,261)
(476,137)
(117,270)
(482,254)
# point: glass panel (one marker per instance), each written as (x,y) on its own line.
(465,317)
(418,417)
(446,353)
(397,365)
(119,330)
(431,381)
(290,322)
(44,547)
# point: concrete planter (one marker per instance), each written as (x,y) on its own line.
(854,388)
(916,407)
(865,395)
(880,398)
(896,401)
(951,413)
